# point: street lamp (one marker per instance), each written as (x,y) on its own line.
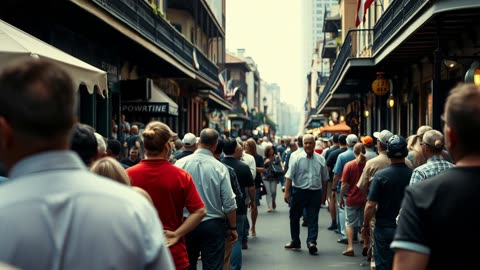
(265,107)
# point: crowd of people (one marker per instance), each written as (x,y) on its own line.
(165,201)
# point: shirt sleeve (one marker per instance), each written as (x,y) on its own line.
(338,165)
(193,201)
(374,192)
(325,175)
(157,255)
(411,233)
(416,177)
(291,169)
(227,194)
(364,178)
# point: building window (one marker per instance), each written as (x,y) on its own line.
(178,27)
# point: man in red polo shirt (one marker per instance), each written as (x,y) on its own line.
(171,189)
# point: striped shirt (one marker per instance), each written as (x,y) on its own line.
(435,165)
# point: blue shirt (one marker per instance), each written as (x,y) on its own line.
(212,180)
(55,214)
(342,159)
(307,173)
(435,165)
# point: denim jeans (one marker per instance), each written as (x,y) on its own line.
(383,237)
(209,239)
(311,201)
(236,262)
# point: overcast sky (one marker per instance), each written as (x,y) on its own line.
(269,31)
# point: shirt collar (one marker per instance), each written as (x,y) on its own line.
(435,158)
(204,152)
(47,161)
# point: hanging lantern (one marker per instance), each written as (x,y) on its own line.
(380,86)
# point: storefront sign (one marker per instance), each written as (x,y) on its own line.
(151,108)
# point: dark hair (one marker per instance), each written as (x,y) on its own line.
(300,141)
(37,98)
(342,139)
(462,115)
(84,142)
(220,145)
(230,146)
(335,138)
(209,137)
(114,146)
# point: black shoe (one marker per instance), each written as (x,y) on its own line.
(244,244)
(342,241)
(283,189)
(312,248)
(332,227)
(304,224)
(291,245)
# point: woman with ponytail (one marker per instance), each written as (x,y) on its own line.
(355,202)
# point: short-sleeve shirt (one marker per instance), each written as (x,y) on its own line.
(387,189)
(212,180)
(443,203)
(351,174)
(258,176)
(435,165)
(307,173)
(171,189)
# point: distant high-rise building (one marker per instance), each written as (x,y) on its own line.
(319,8)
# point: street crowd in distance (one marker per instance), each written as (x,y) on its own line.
(148,198)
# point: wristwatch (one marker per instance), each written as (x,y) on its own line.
(232,228)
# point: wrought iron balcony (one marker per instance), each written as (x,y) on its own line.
(139,15)
(357,44)
(397,13)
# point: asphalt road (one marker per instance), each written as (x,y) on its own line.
(266,251)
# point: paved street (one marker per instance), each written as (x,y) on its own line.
(266,250)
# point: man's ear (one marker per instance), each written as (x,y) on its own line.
(450,138)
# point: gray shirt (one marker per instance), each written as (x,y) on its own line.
(55,214)
(307,173)
(212,180)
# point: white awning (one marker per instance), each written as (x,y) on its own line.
(16,45)
(159,96)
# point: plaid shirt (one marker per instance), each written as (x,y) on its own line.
(435,165)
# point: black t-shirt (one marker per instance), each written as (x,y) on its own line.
(332,159)
(258,177)
(387,189)
(440,215)
(330,150)
(244,176)
(183,154)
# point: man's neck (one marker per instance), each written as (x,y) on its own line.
(469,161)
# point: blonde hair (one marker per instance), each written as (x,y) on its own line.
(110,168)
(359,152)
(252,147)
(155,136)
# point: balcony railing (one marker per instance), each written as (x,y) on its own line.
(396,15)
(139,15)
(357,44)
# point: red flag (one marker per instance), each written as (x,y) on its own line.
(362,6)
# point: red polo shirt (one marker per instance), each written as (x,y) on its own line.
(350,175)
(171,189)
